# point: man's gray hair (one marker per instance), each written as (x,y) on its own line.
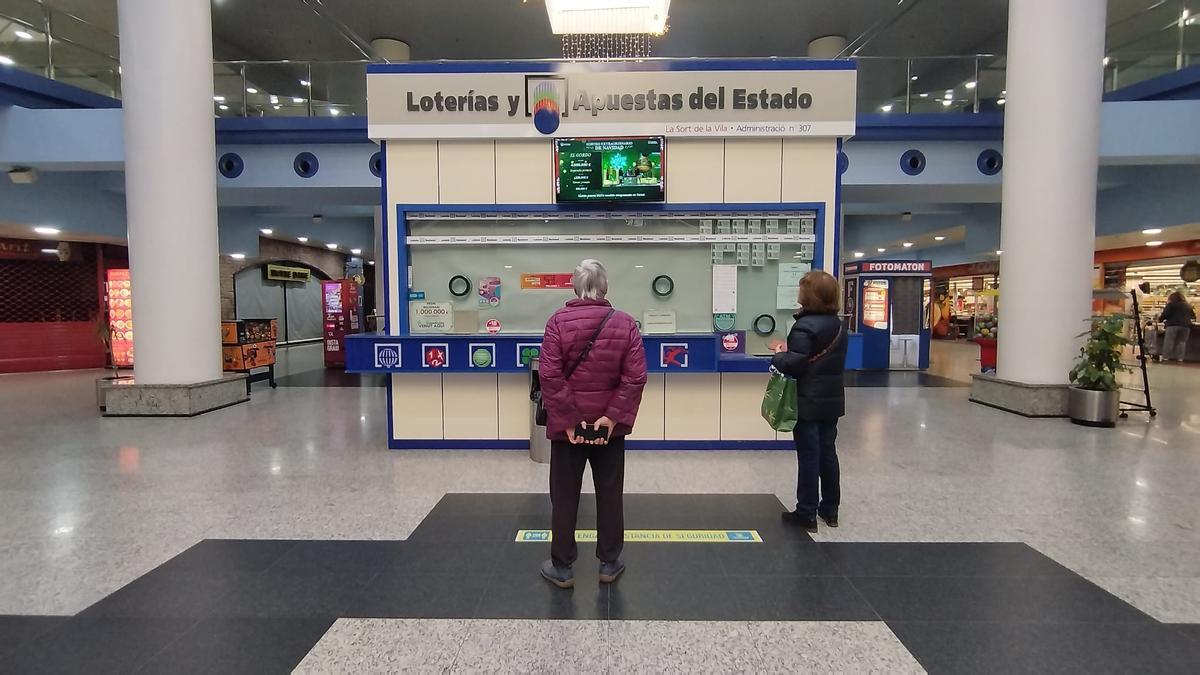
(590,280)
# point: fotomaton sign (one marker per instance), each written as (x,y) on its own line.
(767,97)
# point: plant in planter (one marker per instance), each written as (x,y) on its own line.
(1095,395)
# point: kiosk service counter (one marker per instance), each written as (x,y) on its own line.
(705,217)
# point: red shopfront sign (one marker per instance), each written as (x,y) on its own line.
(530,281)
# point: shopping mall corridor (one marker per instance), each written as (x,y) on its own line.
(968,536)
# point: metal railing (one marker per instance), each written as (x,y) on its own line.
(63,47)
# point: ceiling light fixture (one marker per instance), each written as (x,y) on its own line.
(372,262)
(881,250)
(335,112)
(50,251)
(47,230)
(914,78)
(592,17)
(1153,230)
(277,107)
(219,99)
(940,237)
(305,83)
(302,240)
(251,90)
(999,252)
(1154,243)
(925,95)
(859,254)
(6,61)
(887,108)
(297,99)
(947,103)
(238,256)
(971,85)
(356,251)
(908,244)
(223,107)
(274,98)
(1001,101)
(267,231)
(23,35)
(331,247)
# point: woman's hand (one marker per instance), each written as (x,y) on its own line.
(574,438)
(607,424)
(777,346)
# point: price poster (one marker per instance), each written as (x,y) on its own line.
(120,317)
(541,281)
(489,292)
(875,304)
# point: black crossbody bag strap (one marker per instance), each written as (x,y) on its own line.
(587,348)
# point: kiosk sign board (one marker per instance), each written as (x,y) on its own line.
(755,97)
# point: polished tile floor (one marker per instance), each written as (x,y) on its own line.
(90,505)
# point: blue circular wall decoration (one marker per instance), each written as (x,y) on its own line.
(377,164)
(306,165)
(843,162)
(990,162)
(231,165)
(912,162)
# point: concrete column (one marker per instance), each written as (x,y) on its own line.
(827,47)
(170,189)
(1051,159)
(393,51)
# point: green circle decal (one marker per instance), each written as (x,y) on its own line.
(482,357)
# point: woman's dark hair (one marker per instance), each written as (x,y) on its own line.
(1176,297)
(820,293)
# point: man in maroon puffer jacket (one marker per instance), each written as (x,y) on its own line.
(600,391)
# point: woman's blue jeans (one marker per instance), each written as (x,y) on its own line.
(818,483)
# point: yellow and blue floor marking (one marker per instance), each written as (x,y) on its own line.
(656,536)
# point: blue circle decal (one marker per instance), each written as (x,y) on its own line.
(912,162)
(843,162)
(231,165)
(376,164)
(306,165)
(990,162)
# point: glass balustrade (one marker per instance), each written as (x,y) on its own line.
(55,44)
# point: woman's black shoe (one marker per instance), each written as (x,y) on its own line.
(830,520)
(809,524)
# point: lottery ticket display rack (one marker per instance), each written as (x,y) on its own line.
(248,345)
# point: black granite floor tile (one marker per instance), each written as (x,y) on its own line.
(395,594)
(233,555)
(975,647)
(95,645)
(171,593)
(942,560)
(1189,630)
(16,629)
(446,557)
(355,558)
(1032,599)
(640,596)
(676,559)
(251,646)
(815,598)
(524,594)
(500,504)
(787,558)
(281,594)
(493,528)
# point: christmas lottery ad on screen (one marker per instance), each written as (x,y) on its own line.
(610,170)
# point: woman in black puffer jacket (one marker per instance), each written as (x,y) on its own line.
(815,354)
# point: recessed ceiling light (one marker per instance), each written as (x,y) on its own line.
(331,246)
(23,35)
(908,244)
(999,252)
(267,230)
(50,251)
(6,61)
(1001,101)
(223,107)
(238,256)
(1154,243)
(970,85)
(47,230)
(887,108)
(859,254)
(274,98)
(1107,60)
(297,99)
(335,112)
(302,240)
(305,83)
(939,238)
(881,250)
(356,251)
(925,95)
(914,78)
(1153,230)
(277,106)
(372,262)
(507,267)
(639,266)
(946,104)
(219,99)
(251,90)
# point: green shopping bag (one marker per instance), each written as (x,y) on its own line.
(779,403)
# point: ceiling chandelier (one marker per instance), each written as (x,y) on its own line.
(607,29)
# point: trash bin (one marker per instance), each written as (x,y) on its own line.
(539,445)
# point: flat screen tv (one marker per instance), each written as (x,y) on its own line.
(609,169)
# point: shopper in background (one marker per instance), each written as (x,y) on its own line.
(815,354)
(592,372)
(1178,316)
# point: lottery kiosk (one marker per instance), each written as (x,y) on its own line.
(887,304)
(707,189)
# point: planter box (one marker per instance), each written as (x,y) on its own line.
(1094,408)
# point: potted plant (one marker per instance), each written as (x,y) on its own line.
(1095,394)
